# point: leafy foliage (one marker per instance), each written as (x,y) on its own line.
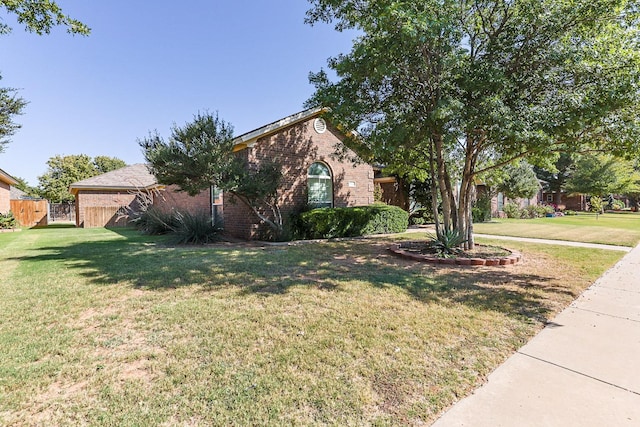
(453,90)
(520,181)
(325,223)
(10,106)
(65,170)
(556,174)
(104,164)
(601,175)
(481,211)
(200,154)
(40,16)
(7,220)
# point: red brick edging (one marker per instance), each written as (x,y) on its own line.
(474,262)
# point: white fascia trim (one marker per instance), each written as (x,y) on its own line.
(249,139)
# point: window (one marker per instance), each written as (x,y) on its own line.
(320,186)
(500,201)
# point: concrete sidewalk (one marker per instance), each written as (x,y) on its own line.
(583,369)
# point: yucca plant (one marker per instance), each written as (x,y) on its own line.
(195,229)
(446,243)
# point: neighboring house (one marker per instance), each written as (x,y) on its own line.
(108,200)
(305,145)
(6,181)
(562,201)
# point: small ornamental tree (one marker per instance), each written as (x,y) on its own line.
(200,154)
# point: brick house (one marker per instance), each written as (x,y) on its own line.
(107,200)
(305,145)
(6,181)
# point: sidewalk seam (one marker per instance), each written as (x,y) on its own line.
(578,372)
(605,314)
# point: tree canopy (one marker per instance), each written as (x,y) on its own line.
(65,170)
(454,89)
(519,181)
(10,106)
(603,175)
(200,154)
(40,16)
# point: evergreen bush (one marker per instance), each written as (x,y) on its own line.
(325,223)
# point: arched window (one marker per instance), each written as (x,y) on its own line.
(320,186)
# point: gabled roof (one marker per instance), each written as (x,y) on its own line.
(249,139)
(5,177)
(17,194)
(133,177)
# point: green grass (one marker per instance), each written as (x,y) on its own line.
(108,328)
(612,229)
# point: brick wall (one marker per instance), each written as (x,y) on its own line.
(172,199)
(296,148)
(5,203)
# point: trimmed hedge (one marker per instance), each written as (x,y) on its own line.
(326,223)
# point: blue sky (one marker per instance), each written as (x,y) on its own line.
(150,64)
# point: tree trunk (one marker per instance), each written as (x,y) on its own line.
(441,177)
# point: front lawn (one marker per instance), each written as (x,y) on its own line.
(107,327)
(610,228)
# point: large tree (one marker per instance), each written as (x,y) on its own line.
(454,89)
(63,171)
(602,175)
(200,154)
(555,175)
(38,16)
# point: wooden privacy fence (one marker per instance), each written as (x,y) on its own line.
(30,213)
(106,216)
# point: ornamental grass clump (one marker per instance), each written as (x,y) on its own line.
(195,229)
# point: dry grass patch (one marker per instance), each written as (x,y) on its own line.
(338,333)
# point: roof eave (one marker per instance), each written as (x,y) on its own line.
(5,177)
(249,139)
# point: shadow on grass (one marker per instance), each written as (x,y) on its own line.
(147,262)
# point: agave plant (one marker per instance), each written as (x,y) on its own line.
(446,243)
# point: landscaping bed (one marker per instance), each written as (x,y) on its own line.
(481,255)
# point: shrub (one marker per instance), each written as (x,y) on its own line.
(325,223)
(8,220)
(595,204)
(155,221)
(617,205)
(195,228)
(421,216)
(511,210)
(481,210)
(570,212)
